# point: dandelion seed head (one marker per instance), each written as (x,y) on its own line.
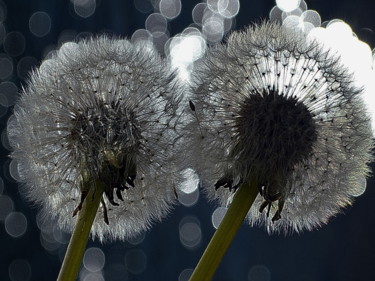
(273,107)
(99,109)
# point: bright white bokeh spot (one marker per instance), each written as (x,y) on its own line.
(190,232)
(19,270)
(218,215)
(40,24)
(16,224)
(184,50)
(190,181)
(312,17)
(170,8)
(356,56)
(6,206)
(94,259)
(288,5)
(339,28)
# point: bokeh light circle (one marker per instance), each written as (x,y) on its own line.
(288,5)
(170,9)
(94,259)
(198,13)
(24,67)
(19,270)
(141,35)
(156,23)
(190,232)
(213,29)
(16,224)
(259,273)
(14,43)
(276,14)
(3,11)
(84,8)
(13,170)
(6,206)
(40,24)
(135,261)
(185,274)
(190,181)
(312,17)
(8,93)
(159,39)
(138,239)
(228,8)
(6,66)
(188,199)
(144,6)
(217,216)
(360,188)
(93,277)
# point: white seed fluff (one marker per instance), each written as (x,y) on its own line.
(273,107)
(100,109)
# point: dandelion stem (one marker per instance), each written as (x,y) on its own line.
(80,235)
(225,233)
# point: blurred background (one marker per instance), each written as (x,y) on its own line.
(33,249)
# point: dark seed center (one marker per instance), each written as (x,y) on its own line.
(276,131)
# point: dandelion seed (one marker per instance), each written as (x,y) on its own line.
(102,109)
(274,108)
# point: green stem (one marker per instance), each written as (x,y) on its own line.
(225,233)
(80,235)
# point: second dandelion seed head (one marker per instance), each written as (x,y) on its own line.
(273,107)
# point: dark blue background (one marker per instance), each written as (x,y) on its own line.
(344,250)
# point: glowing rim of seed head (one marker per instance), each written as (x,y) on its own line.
(288,5)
